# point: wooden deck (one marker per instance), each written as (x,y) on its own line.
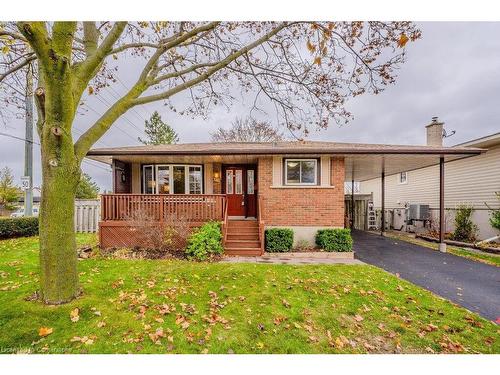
(126,218)
(130,220)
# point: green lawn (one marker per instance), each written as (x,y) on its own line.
(483,257)
(146,306)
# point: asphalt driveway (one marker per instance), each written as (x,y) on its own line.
(473,285)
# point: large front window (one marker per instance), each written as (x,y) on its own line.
(301,171)
(172,179)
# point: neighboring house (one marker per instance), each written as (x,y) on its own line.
(247,186)
(472,181)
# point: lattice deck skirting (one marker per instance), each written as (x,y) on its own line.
(117,234)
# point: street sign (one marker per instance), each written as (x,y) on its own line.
(25,182)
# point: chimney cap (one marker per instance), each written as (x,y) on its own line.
(435,121)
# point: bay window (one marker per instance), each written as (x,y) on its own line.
(172,179)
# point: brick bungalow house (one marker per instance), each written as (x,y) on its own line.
(248,186)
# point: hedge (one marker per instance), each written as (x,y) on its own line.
(338,240)
(18,227)
(279,240)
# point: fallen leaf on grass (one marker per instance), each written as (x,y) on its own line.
(286,303)
(101,324)
(75,315)
(358,318)
(84,340)
(279,319)
(44,331)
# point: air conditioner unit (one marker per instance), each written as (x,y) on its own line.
(399,218)
(418,212)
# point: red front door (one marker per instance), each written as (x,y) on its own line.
(235,191)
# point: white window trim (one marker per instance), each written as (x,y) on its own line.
(285,177)
(399,178)
(170,176)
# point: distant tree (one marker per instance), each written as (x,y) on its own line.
(86,188)
(158,132)
(9,192)
(248,130)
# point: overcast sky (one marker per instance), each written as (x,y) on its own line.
(452,72)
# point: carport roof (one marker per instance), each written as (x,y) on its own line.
(363,161)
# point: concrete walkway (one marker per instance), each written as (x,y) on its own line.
(289,259)
(473,285)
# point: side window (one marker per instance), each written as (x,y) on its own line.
(403,177)
(195,180)
(250,181)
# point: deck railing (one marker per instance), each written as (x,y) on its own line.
(161,207)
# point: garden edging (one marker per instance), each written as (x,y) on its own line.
(313,254)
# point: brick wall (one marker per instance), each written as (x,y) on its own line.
(302,206)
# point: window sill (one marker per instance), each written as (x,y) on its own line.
(302,187)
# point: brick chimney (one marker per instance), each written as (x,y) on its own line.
(435,133)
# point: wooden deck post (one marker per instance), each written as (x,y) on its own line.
(442,244)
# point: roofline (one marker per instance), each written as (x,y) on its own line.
(292,151)
(478,140)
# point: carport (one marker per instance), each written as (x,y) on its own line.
(379,161)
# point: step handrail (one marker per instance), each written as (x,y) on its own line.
(224,223)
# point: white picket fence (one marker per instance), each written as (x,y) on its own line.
(87,214)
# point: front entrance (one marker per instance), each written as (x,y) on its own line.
(240,188)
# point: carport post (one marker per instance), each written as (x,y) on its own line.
(352,204)
(442,244)
(382,226)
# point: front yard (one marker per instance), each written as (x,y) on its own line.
(160,306)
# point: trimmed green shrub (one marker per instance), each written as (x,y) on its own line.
(465,229)
(18,227)
(205,242)
(337,239)
(279,240)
